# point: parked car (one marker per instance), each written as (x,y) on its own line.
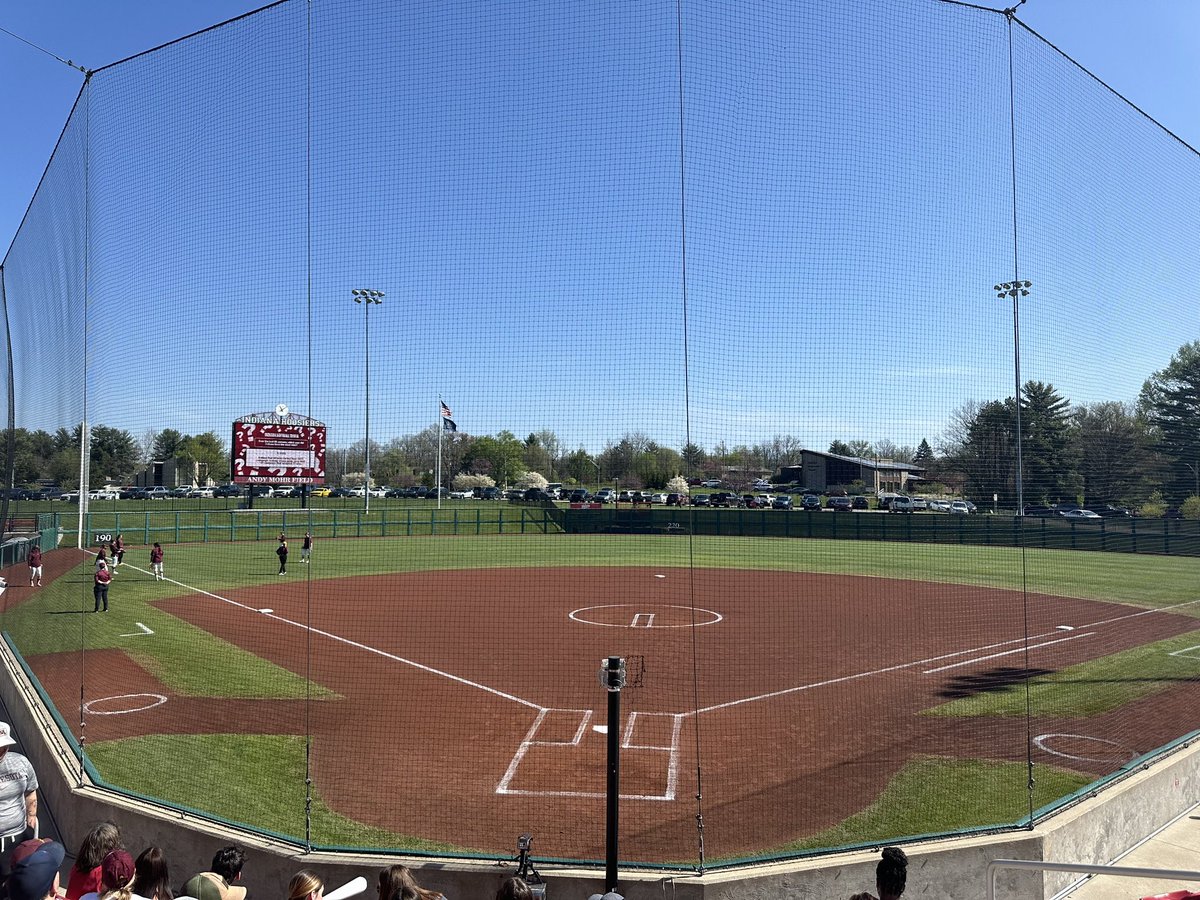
(128,492)
(959,507)
(533,495)
(436,493)
(1077,514)
(234,490)
(514,495)
(104,494)
(1109,511)
(1037,511)
(761,485)
(180,491)
(811,502)
(942,506)
(920,503)
(749,501)
(859,502)
(724,498)
(640,497)
(700,499)
(69,496)
(839,504)
(462,495)
(205,492)
(578,495)
(262,490)
(492,493)
(674,499)
(781,501)
(658,498)
(606,495)
(902,504)
(711,483)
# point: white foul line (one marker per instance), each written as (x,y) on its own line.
(368,649)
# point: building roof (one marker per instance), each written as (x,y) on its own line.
(879,464)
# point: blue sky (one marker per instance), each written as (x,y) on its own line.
(525,224)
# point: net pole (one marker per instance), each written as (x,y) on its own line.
(615,679)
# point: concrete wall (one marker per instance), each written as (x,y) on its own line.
(1094,831)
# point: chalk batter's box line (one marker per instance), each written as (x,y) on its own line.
(585,718)
(1187,652)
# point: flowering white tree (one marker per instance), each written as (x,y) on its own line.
(531,480)
(464,482)
(678,485)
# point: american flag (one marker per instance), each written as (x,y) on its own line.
(446,414)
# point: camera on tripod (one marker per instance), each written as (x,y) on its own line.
(525,868)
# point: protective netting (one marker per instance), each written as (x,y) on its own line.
(618,244)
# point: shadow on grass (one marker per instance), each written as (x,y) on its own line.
(989,682)
(997,680)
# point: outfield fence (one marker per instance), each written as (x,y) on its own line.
(1169,537)
(905,247)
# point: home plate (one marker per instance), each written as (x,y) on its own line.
(266,612)
(1065,627)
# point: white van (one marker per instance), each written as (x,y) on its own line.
(902,503)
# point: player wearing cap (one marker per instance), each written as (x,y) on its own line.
(18,788)
(35,566)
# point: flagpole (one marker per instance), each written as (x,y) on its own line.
(441,426)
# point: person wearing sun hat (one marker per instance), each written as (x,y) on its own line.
(18,789)
(35,866)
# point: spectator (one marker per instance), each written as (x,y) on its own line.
(514,888)
(116,876)
(890,875)
(35,866)
(151,878)
(85,874)
(219,883)
(397,883)
(18,790)
(306,885)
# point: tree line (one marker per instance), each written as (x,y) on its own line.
(1105,452)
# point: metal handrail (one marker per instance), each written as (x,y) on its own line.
(994,867)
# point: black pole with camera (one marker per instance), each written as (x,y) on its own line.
(525,869)
(612,676)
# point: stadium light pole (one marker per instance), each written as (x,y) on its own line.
(1016,290)
(367,298)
